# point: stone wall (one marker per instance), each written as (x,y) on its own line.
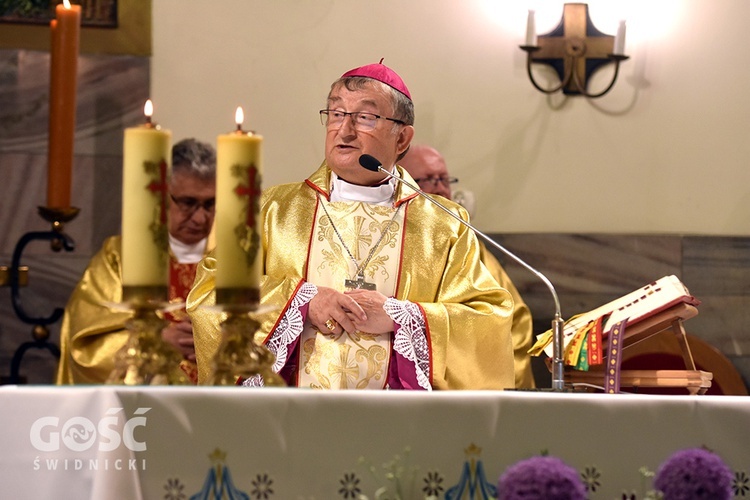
(590,270)
(111,93)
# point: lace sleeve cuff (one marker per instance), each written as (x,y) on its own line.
(410,341)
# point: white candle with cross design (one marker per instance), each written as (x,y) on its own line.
(239,258)
(147,161)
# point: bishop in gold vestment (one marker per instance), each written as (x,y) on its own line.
(369,285)
(453,327)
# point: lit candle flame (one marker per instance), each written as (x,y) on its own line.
(239,117)
(148,110)
(66,4)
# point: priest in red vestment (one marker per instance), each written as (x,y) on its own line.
(92,332)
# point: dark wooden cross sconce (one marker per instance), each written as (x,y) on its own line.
(574,49)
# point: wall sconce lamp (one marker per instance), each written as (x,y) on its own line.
(575,49)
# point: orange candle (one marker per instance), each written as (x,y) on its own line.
(65,32)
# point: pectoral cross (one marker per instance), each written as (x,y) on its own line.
(359,284)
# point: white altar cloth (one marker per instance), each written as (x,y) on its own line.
(104,442)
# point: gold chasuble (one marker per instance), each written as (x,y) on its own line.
(92,332)
(452,320)
(522,329)
(372,234)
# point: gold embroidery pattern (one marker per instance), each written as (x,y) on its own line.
(358,238)
(333,258)
(343,367)
(358,360)
(359,235)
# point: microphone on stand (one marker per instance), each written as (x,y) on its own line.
(558,383)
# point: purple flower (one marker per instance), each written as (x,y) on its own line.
(547,478)
(694,474)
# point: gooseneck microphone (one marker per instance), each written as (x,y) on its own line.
(558,381)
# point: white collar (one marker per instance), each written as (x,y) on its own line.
(187,254)
(376,195)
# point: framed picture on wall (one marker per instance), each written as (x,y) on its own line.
(94,13)
(108,26)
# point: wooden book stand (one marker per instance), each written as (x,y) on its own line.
(695,381)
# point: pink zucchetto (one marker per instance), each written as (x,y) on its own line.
(381,73)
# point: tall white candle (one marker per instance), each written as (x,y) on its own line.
(619,49)
(531,29)
(147,161)
(238,227)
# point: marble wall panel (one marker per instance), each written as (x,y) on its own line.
(96,191)
(111,93)
(22,190)
(592,270)
(605,264)
(717,265)
(723,322)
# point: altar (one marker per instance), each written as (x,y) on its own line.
(104,442)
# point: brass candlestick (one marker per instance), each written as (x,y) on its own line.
(239,357)
(146,359)
(58,217)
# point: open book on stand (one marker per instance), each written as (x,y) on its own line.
(598,337)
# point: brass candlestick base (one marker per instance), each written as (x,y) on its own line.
(58,217)
(146,359)
(239,356)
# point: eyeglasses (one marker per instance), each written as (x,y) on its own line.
(365,122)
(433,181)
(189,205)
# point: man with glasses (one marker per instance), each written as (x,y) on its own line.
(91,332)
(430,171)
(368,285)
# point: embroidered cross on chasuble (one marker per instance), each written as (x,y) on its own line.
(373,235)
